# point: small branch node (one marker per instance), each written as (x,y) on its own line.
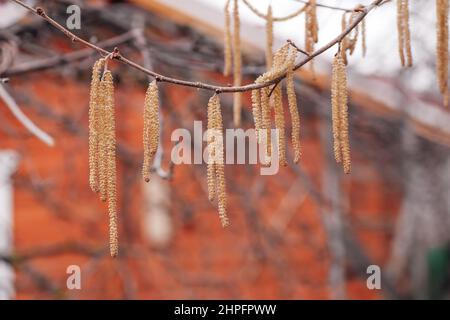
(40,11)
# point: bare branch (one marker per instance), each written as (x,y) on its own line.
(26,122)
(218,89)
(47,63)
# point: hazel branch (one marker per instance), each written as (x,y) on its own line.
(363,11)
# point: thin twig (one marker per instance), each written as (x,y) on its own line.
(218,89)
(297,48)
(273,89)
(26,122)
(47,63)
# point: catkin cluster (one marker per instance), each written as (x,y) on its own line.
(404,36)
(442,7)
(216,163)
(102,145)
(151,128)
(339,108)
(283,61)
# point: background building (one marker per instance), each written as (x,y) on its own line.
(308,232)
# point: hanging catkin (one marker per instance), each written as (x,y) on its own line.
(404,37)
(227,46)
(363,37)
(335,107)
(293,109)
(93,125)
(211,165)
(343,117)
(280,59)
(215,123)
(401,35)
(102,140)
(265,135)
(279,124)
(279,63)
(442,7)
(220,168)
(311,29)
(151,128)
(341,145)
(269,37)
(256,110)
(407,33)
(237,57)
(107,88)
(353,36)
(344,42)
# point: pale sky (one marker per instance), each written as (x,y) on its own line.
(382,58)
(382,55)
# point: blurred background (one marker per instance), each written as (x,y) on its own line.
(309,232)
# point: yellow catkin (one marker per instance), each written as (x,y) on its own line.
(110,143)
(335,100)
(227,46)
(278,67)
(93,125)
(442,7)
(256,110)
(343,116)
(269,37)
(404,36)
(151,128)
(279,124)
(363,37)
(102,140)
(219,160)
(293,109)
(344,42)
(280,59)
(211,165)
(407,33)
(311,29)
(314,22)
(353,36)
(237,57)
(401,35)
(265,134)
